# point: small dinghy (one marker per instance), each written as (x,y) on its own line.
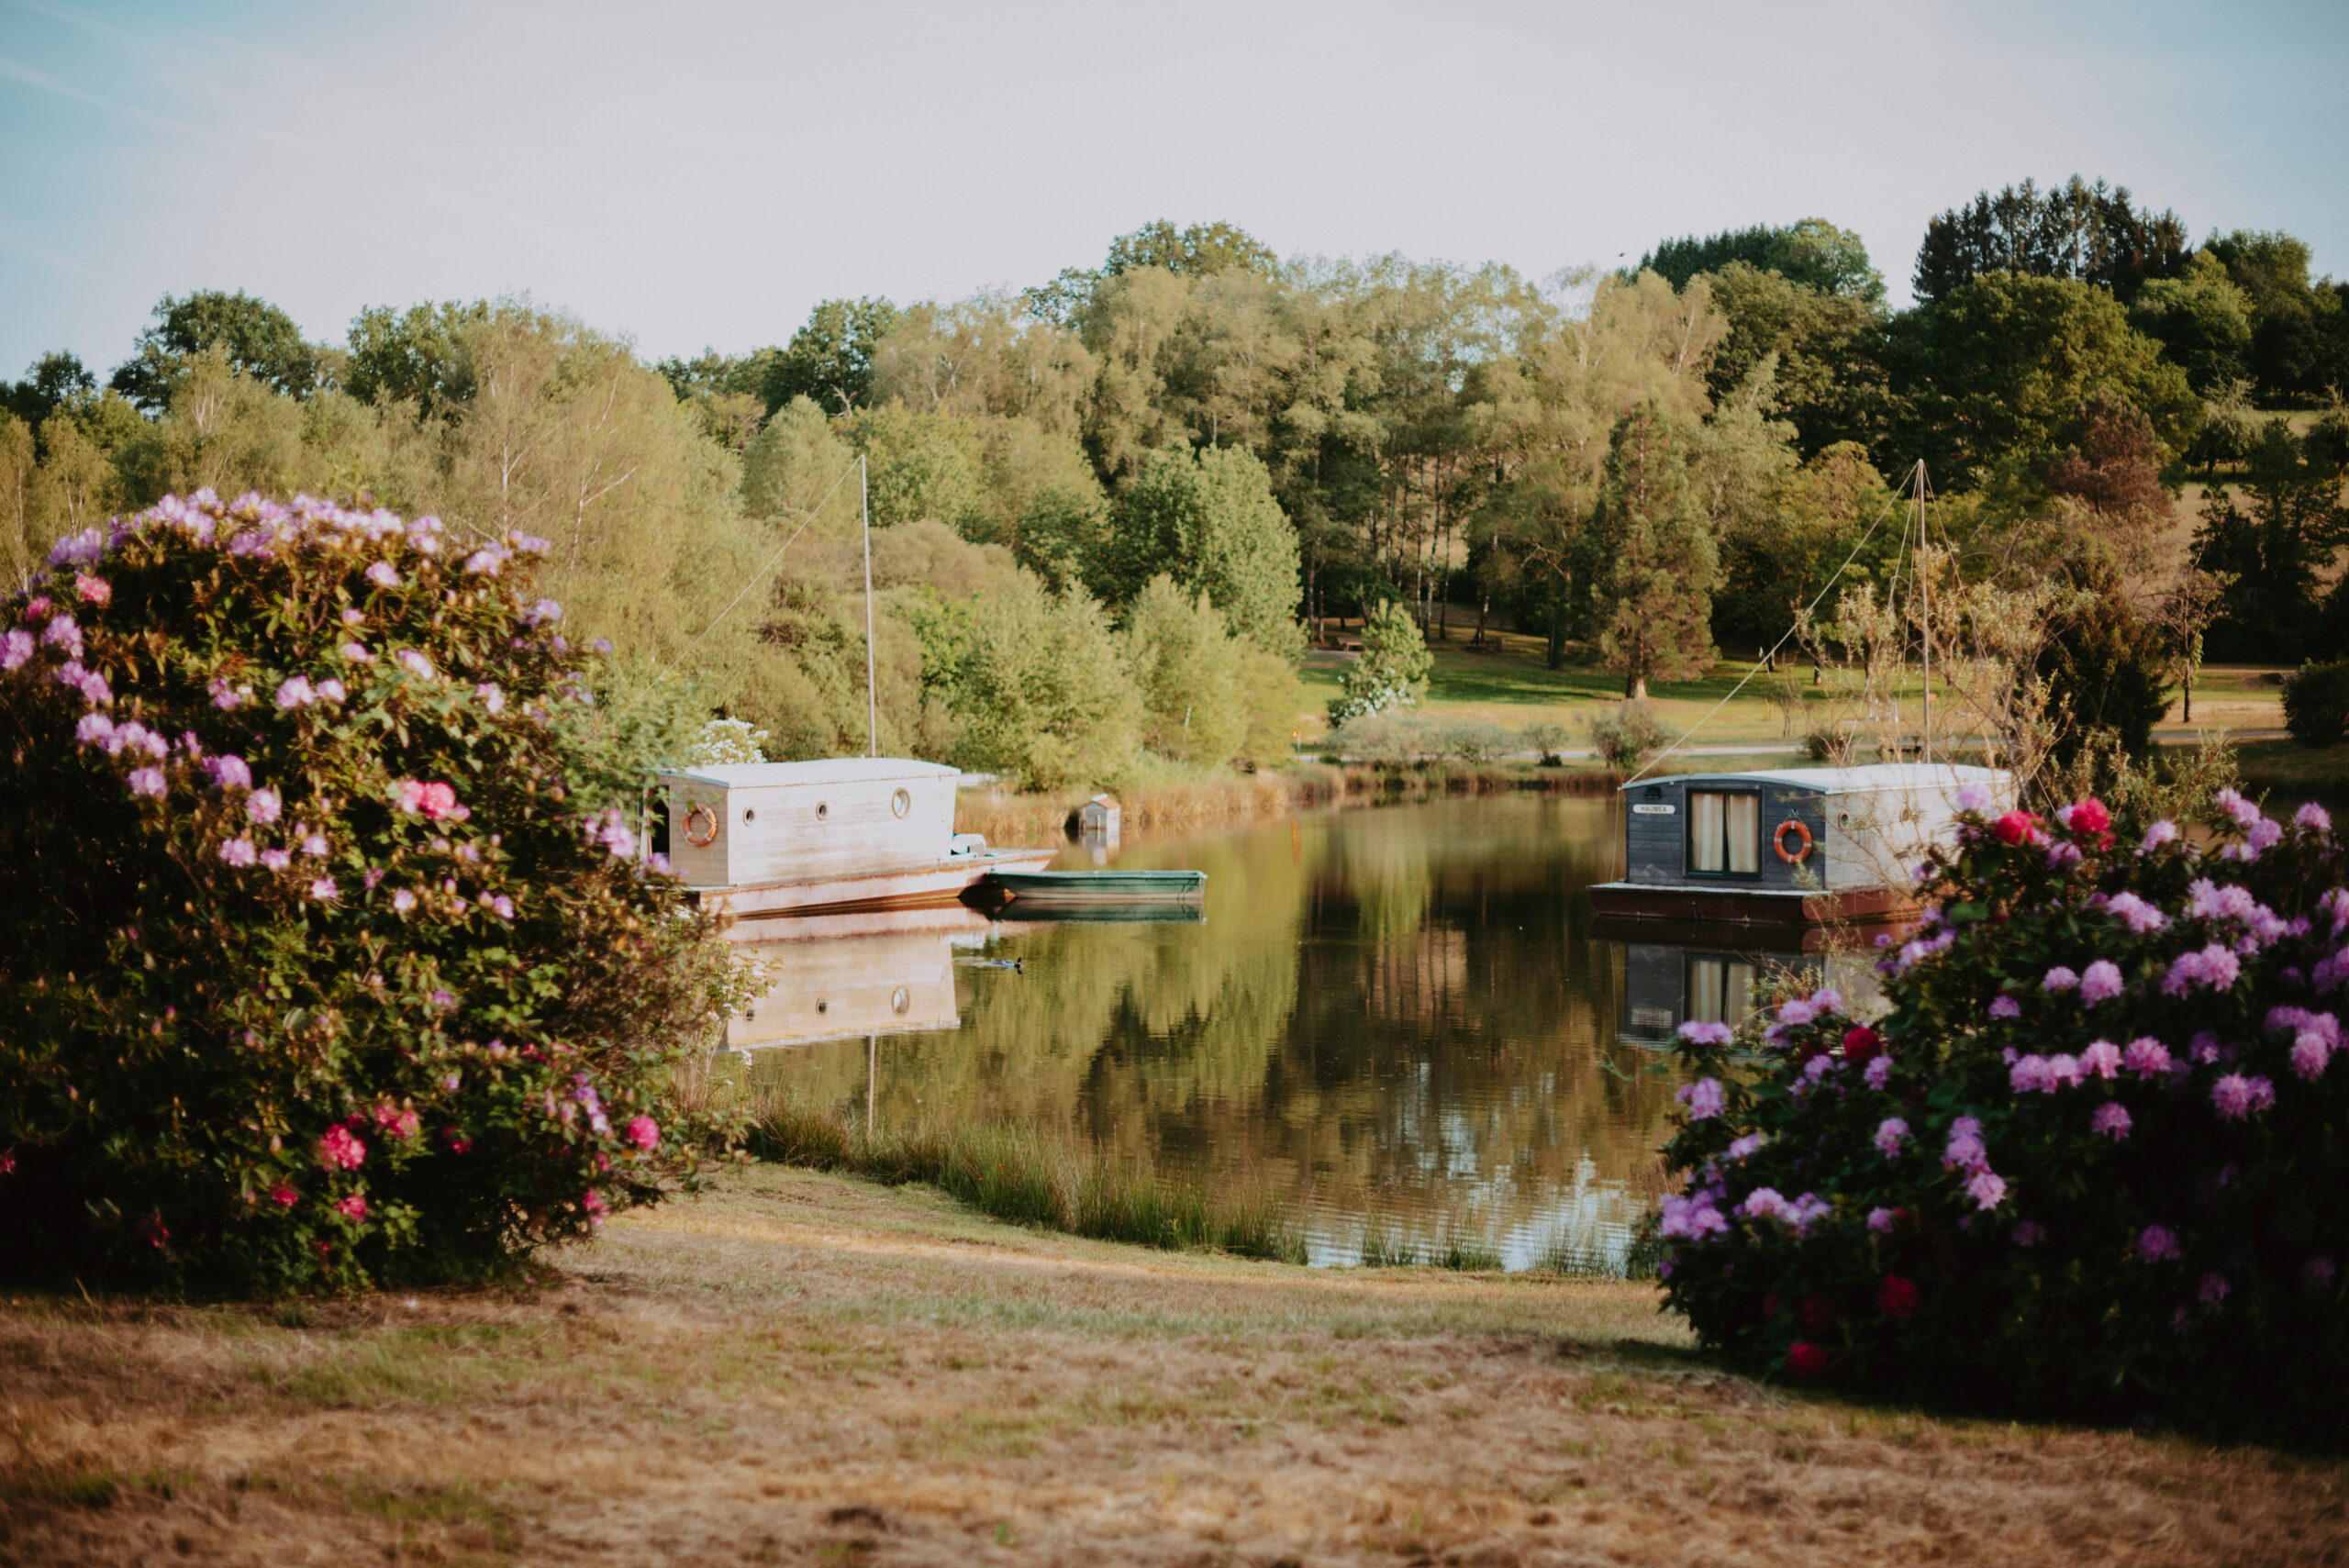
(1073,890)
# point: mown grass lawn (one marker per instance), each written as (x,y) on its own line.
(815,1369)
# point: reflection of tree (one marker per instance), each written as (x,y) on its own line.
(1399,1011)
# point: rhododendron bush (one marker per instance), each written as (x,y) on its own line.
(326,952)
(2093,1161)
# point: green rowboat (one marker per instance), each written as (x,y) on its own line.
(1058,889)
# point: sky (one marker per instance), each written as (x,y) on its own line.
(700,174)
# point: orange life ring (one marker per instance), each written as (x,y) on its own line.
(701,840)
(1795,826)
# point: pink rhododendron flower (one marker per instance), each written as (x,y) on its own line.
(283,1196)
(2237,1096)
(2148,1057)
(1880,1220)
(2161,832)
(2314,816)
(594,1203)
(2156,1244)
(398,1123)
(2060,979)
(415,663)
(1877,1072)
(1806,1361)
(324,890)
(227,771)
(263,807)
(1988,1189)
(1890,1133)
(276,860)
(354,1208)
(2111,1118)
(314,846)
(2087,816)
(1897,1297)
(356,653)
(331,690)
(1706,1034)
(2214,967)
(499,904)
(457,1141)
(2264,835)
(402,901)
(2016,828)
(338,1148)
(2101,1058)
(16,649)
(1964,1150)
(237,852)
(2005,1006)
(2100,982)
(2213,1291)
(383,575)
(1742,1148)
(2310,1051)
(1861,1043)
(93,590)
(147,780)
(224,695)
(2061,854)
(295,692)
(2244,812)
(645,1133)
(1973,798)
(2135,913)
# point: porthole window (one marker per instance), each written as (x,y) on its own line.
(901,803)
(823,810)
(900,1000)
(822,1006)
(749,814)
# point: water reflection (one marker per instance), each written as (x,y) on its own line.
(1400,1019)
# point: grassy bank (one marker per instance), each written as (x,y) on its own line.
(1215,800)
(1024,1178)
(819,1369)
(2288,773)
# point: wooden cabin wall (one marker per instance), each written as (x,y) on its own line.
(1655,848)
(783,839)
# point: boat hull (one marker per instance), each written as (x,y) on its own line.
(907,887)
(1748,905)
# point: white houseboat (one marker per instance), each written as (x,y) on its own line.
(1785,847)
(849,834)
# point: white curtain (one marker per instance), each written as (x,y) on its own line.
(1743,827)
(1705,832)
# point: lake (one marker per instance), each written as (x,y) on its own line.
(1400,1021)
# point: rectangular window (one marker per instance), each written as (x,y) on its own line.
(1721,990)
(1724,833)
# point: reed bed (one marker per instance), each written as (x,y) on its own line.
(1215,800)
(1025,1177)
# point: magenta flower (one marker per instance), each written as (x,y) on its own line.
(2314,816)
(1763,1203)
(644,1132)
(2237,1096)
(1880,1220)
(147,780)
(415,663)
(2213,1291)
(93,728)
(484,562)
(500,906)
(224,695)
(2310,1051)
(2244,812)
(2101,1058)
(488,695)
(296,692)
(2111,1118)
(1890,1133)
(1877,1072)
(314,846)
(356,653)
(383,575)
(283,1196)
(2161,832)
(227,771)
(338,1148)
(546,612)
(1964,1150)
(62,633)
(263,807)
(2148,1057)
(93,590)
(2265,835)
(1693,1032)
(2156,1244)
(1988,1189)
(331,690)
(2059,979)
(1704,1099)
(354,1208)
(276,860)
(2101,982)
(594,1203)
(2135,913)
(402,901)
(2005,1006)
(237,852)
(1973,798)
(324,889)
(2214,967)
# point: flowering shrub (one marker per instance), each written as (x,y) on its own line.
(2092,1160)
(326,952)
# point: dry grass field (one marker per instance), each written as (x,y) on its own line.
(808,1369)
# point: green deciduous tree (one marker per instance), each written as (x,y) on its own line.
(1392,670)
(414,356)
(1187,670)
(2270,556)
(1208,519)
(830,359)
(254,336)
(2201,320)
(1812,254)
(1046,699)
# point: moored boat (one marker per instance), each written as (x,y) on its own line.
(1089,889)
(1786,846)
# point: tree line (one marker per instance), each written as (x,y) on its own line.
(1106,502)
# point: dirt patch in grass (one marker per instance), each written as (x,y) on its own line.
(812,1369)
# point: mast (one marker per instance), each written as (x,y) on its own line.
(872,694)
(1925,622)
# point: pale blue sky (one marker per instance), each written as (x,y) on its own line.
(692,175)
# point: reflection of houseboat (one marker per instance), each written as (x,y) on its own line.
(1786,847)
(1714,978)
(851,833)
(886,984)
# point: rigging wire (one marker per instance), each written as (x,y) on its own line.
(1759,663)
(755,577)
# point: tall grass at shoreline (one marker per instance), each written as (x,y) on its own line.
(1026,1178)
(1221,799)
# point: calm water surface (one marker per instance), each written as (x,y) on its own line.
(1400,1021)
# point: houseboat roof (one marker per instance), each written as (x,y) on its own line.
(831,771)
(1869,780)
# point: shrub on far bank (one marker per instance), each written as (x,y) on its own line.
(2316,704)
(326,953)
(2089,1163)
(1626,736)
